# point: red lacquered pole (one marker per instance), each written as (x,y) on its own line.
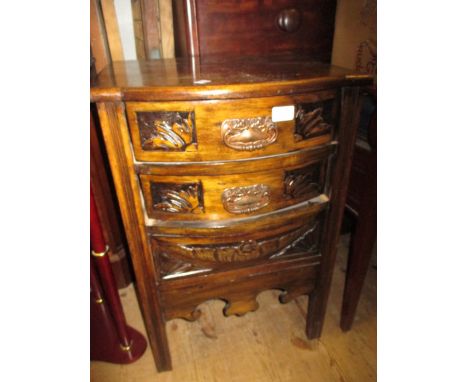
(112,340)
(102,262)
(96,290)
(98,243)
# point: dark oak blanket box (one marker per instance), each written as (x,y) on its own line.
(231,175)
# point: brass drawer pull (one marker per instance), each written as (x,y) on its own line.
(249,134)
(242,200)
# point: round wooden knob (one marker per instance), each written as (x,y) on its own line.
(289,20)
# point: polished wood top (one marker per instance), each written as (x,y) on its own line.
(216,77)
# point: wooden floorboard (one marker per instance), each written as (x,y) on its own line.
(267,345)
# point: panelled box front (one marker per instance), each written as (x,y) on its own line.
(227,185)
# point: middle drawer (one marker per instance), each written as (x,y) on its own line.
(233,195)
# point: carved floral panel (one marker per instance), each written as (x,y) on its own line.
(166,131)
(181,258)
(313,119)
(177,197)
(307,181)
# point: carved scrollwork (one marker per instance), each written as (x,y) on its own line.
(177,198)
(303,182)
(166,131)
(310,120)
(172,266)
(243,251)
(242,200)
(249,133)
(307,242)
(183,256)
(241,303)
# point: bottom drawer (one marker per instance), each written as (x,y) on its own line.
(183,255)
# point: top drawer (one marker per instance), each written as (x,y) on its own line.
(230,129)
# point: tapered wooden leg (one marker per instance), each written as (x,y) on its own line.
(362,242)
(350,101)
(359,257)
(318,303)
(363,238)
(156,325)
(313,323)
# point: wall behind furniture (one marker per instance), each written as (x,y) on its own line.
(355,40)
(130,29)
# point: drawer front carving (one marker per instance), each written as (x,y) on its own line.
(184,254)
(249,134)
(166,131)
(307,181)
(314,119)
(177,198)
(232,195)
(242,200)
(229,130)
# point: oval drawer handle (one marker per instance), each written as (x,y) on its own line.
(249,133)
(242,200)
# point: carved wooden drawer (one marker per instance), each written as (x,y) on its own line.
(231,177)
(229,130)
(181,255)
(234,193)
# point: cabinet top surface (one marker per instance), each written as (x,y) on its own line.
(214,77)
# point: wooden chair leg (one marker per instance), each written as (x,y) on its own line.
(360,253)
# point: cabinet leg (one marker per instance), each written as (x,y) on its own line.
(314,321)
(160,348)
(360,253)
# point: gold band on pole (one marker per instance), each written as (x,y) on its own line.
(100,254)
(126,348)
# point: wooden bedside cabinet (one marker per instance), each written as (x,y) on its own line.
(231,175)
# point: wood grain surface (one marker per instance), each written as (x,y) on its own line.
(208,119)
(252,27)
(112,29)
(209,191)
(151,28)
(138,30)
(99,43)
(239,77)
(167,28)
